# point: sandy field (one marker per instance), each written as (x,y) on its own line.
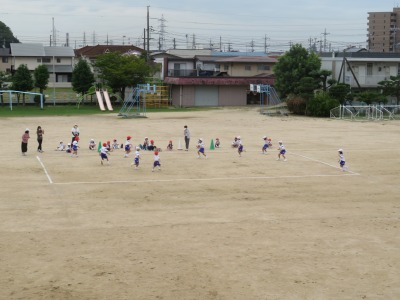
(228,227)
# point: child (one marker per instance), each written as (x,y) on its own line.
(151,147)
(200,147)
(170,146)
(217,143)
(109,146)
(267,144)
(240,146)
(115,144)
(282,151)
(145,143)
(128,146)
(103,154)
(342,160)
(235,143)
(75,147)
(156,161)
(92,144)
(137,158)
(68,149)
(61,146)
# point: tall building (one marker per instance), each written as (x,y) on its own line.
(384,31)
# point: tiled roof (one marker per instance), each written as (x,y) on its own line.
(59,51)
(93,51)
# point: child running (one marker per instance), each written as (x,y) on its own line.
(137,158)
(282,151)
(342,160)
(200,147)
(156,161)
(104,153)
(267,144)
(240,146)
(128,146)
(75,147)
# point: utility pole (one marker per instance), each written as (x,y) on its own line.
(148,34)
(194,41)
(54,34)
(265,45)
(174,44)
(144,39)
(162,33)
(325,34)
(220,44)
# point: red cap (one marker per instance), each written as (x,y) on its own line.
(128,137)
(77,138)
(156,153)
(151,141)
(104,144)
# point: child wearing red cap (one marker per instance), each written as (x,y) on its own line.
(104,153)
(156,161)
(170,146)
(75,147)
(128,146)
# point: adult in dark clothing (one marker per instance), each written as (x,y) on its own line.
(39,133)
(186,133)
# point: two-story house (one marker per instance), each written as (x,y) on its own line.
(58,60)
(216,80)
(5,60)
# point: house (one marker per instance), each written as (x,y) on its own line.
(361,69)
(91,52)
(5,63)
(208,80)
(59,61)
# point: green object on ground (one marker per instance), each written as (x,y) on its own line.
(212,145)
(99,147)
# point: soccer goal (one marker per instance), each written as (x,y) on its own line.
(366,112)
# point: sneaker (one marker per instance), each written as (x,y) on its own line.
(206,156)
(152,170)
(277,159)
(198,156)
(284,159)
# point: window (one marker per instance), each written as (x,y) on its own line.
(226,67)
(263,68)
(369,69)
(247,67)
(46,60)
(39,60)
(58,60)
(4,59)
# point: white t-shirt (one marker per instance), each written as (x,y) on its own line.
(103,150)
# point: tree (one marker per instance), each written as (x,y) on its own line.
(6,36)
(321,104)
(41,75)
(22,81)
(82,77)
(369,97)
(3,79)
(322,77)
(340,92)
(292,67)
(391,87)
(120,70)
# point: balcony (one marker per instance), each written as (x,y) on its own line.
(191,73)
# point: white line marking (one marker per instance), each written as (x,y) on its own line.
(203,179)
(316,160)
(44,168)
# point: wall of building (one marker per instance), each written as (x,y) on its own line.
(232,95)
(182,95)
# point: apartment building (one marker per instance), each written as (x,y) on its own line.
(384,31)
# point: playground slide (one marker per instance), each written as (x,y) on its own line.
(100,100)
(108,101)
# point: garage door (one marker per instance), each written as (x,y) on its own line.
(206,96)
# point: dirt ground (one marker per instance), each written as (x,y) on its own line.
(228,227)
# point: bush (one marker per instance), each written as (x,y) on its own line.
(296,104)
(36,99)
(321,104)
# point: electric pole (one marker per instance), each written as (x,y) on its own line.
(148,34)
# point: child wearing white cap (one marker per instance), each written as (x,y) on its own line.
(342,160)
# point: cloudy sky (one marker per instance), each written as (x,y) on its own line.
(231,25)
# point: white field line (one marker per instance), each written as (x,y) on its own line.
(204,179)
(44,168)
(321,162)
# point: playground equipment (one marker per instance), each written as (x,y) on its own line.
(366,112)
(102,96)
(135,104)
(268,97)
(12,92)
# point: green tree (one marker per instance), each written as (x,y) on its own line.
(4,78)
(292,67)
(369,97)
(41,75)
(6,36)
(391,87)
(341,92)
(321,104)
(82,77)
(120,71)
(22,81)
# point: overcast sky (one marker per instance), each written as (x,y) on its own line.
(235,25)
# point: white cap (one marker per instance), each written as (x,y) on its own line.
(280,142)
(26,129)
(238,137)
(340,150)
(138,148)
(264,137)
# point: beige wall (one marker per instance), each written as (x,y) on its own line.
(239,69)
(232,95)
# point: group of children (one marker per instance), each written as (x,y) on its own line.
(107,147)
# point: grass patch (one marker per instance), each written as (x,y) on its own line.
(72,110)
